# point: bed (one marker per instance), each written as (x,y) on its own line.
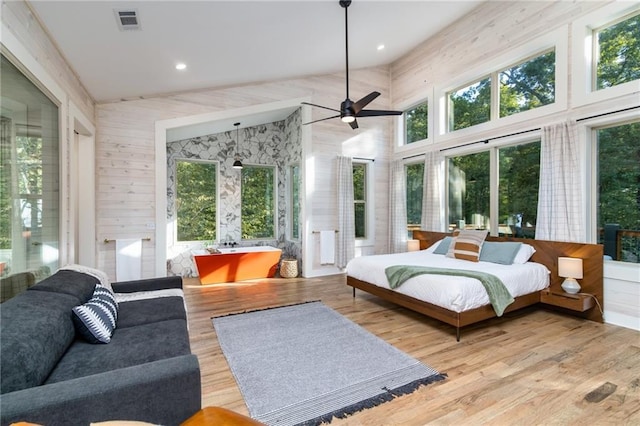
(459,303)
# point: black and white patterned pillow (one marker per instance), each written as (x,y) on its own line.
(96,319)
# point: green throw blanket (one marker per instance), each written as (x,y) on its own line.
(499,296)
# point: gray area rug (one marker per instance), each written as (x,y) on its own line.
(306,363)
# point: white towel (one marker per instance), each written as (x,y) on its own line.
(128,259)
(327,247)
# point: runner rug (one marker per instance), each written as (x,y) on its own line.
(306,363)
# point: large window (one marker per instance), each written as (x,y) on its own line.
(416,123)
(258,202)
(618,212)
(519,175)
(469,179)
(414,176)
(470,105)
(617,53)
(196,191)
(360,199)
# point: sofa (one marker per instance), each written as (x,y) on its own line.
(52,375)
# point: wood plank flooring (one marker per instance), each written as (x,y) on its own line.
(531,367)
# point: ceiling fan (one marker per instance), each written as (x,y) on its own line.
(350,110)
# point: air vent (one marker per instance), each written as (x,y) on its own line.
(127,19)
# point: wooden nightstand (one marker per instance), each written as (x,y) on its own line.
(580,302)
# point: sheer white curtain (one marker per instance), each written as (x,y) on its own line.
(560,194)
(433,196)
(345,246)
(397,208)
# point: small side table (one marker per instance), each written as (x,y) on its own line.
(289,268)
(576,302)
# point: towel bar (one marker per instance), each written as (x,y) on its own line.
(106,240)
(317,232)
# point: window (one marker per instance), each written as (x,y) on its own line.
(470,105)
(294,179)
(258,202)
(617,53)
(618,206)
(414,176)
(518,178)
(416,123)
(469,179)
(196,191)
(360,199)
(528,85)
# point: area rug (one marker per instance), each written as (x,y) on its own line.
(306,363)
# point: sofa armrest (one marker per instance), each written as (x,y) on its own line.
(163,392)
(147,284)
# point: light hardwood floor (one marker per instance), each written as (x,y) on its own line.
(531,367)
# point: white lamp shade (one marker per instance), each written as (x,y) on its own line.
(413,245)
(570,267)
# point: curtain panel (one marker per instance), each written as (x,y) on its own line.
(432,197)
(397,208)
(560,193)
(345,244)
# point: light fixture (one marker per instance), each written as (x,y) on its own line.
(181,66)
(237,164)
(348,118)
(413,245)
(570,268)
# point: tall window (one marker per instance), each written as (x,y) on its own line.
(528,85)
(414,176)
(196,191)
(618,208)
(294,178)
(470,105)
(519,175)
(469,179)
(416,123)
(360,199)
(617,53)
(258,202)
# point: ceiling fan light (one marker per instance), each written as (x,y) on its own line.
(348,118)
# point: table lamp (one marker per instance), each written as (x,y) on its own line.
(413,245)
(570,268)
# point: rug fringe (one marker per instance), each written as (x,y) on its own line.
(387,396)
(248,311)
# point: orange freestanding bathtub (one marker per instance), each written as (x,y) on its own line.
(236,264)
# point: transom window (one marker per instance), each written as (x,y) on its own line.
(196,189)
(617,53)
(470,105)
(416,123)
(258,210)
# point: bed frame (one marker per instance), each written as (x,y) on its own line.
(547,253)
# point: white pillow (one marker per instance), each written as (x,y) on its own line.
(524,254)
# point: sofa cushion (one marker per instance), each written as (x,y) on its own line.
(36,331)
(76,284)
(128,347)
(96,319)
(137,312)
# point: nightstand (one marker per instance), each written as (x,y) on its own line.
(580,302)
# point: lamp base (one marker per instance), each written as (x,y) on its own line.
(570,285)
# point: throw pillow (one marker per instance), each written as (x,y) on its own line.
(467,245)
(499,252)
(96,319)
(443,246)
(524,254)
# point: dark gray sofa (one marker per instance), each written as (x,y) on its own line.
(51,376)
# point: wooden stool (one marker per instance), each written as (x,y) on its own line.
(218,416)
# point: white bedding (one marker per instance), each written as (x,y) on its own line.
(457,294)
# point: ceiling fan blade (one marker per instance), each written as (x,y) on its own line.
(322,119)
(354,124)
(320,106)
(376,113)
(357,107)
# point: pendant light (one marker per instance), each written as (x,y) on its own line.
(237,164)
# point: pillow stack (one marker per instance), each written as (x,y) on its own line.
(467,244)
(96,319)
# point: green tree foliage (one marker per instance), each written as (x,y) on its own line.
(196,200)
(414,182)
(416,123)
(619,53)
(359,198)
(471,105)
(469,187)
(258,202)
(528,85)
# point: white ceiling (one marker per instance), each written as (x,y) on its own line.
(232,42)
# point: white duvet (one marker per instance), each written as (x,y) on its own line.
(457,294)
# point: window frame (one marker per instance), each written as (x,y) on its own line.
(369,239)
(400,121)
(174,223)
(275,201)
(583,61)
(290,200)
(408,164)
(404,122)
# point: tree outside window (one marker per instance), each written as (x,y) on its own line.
(470,105)
(360,199)
(414,176)
(617,53)
(416,123)
(196,200)
(258,202)
(469,190)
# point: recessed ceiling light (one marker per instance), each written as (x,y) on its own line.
(181,66)
(381,47)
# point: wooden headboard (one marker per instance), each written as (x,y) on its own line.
(547,253)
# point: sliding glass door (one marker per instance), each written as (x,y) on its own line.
(29,176)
